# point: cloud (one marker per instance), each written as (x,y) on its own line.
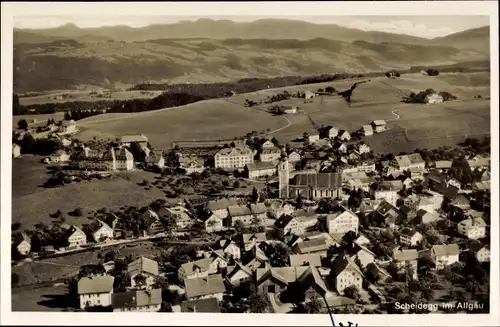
(401,27)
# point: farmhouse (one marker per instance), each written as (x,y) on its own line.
(137,301)
(22,243)
(191,164)
(332,132)
(294,157)
(220,206)
(316,185)
(387,213)
(205,287)
(345,273)
(234,158)
(312,284)
(344,135)
(268,145)
(362,148)
(309,95)
(143,266)
(195,269)
(290,109)
(407,162)
(182,216)
(378,126)
(299,260)
(433,98)
(16,151)
(403,258)
(75,237)
(253,239)
(276,280)
(155,160)
(367,130)
(246,214)
(95,291)
(480,251)
(444,255)
(127,140)
(100,231)
(410,237)
(270,154)
(59,157)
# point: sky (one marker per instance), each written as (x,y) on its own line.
(422,26)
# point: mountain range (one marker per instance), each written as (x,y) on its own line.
(207,50)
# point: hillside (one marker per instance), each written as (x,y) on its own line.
(476,38)
(106,63)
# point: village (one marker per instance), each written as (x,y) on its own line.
(319,224)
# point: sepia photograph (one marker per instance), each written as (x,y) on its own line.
(332,163)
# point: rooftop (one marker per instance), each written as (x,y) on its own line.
(136,299)
(95,284)
(212,284)
(141,265)
(448,249)
(321,180)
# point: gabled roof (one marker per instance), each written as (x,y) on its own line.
(212,284)
(258,208)
(223,203)
(448,249)
(460,201)
(405,255)
(476,246)
(319,180)
(202,264)
(309,259)
(284,275)
(239,210)
(312,278)
(261,165)
(72,230)
(313,245)
(95,284)
(143,265)
(379,122)
(341,263)
(283,221)
(236,151)
(259,237)
(96,225)
(136,299)
(203,305)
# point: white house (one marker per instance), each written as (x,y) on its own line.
(346,273)
(220,206)
(214,223)
(309,95)
(410,237)
(270,154)
(386,190)
(342,222)
(268,145)
(76,237)
(294,157)
(344,135)
(407,162)
(480,251)
(378,126)
(362,148)
(332,132)
(147,268)
(259,169)
(472,228)
(137,301)
(231,249)
(313,138)
(120,159)
(433,98)
(253,239)
(194,269)
(445,255)
(95,291)
(192,164)
(100,231)
(234,158)
(403,258)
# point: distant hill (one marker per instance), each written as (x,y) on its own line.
(477,38)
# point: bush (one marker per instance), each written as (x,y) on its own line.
(236,184)
(14,279)
(77,212)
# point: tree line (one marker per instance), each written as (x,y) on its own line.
(421,96)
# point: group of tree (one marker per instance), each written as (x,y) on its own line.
(392,74)
(421,97)
(79,113)
(43,147)
(285,95)
(432,72)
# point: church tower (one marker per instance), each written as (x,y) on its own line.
(284,177)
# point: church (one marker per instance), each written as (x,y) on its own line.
(310,185)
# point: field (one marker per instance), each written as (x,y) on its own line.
(32,204)
(39,118)
(71,95)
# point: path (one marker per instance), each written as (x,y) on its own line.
(289,123)
(126,116)
(395,114)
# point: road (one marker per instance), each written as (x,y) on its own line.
(395,114)
(289,123)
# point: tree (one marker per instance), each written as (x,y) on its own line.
(140,280)
(254,197)
(245,290)
(15,226)
(314,306)
(236,184)
(257,303)
(22,124)
(121,282)
(330,89)
(14,279)
(352,292)
(278,254)
(388,74)
(300,202)
(225,183)
(354,201)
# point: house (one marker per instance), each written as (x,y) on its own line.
(118,159)
(205,287)
(294,224)
(59,157)
(406,258)
(386,190)
(332,132)
(309,95)
(137,301)
(100,231)
(181,215)
(410,237)
(359,254)
(259,169)
(315,245)
(220,206)
(344,135)
(481,186)
(378,126)
(65,142)
(387,214)
(16,151)
(444,255)
(433,98)
(425,203)
(362,148)
(316,185)
(234,158)
(479,161)
(247,214)
(155,160)
(127,140)
(143,266)
(214,223)
(313,138)
(480,251)
(270,155)
(425,217)
(461,202)
(342,222)
(238,274)
(276,280)
(311,284)
(294,157)
(345,273)
(407,162)
(22,243)
(203,305)
(76,237)
(367,130)
(341,147)
(443,165)
(152,222)
(280,208)
(230,248)
(268,145)
(67,127)
(195,269)
(290,109)
(308,259)
(219,260)
(472,228)
(362,240)
(366,166)
(255,258)
(253,239)
(95,291)
(192,164)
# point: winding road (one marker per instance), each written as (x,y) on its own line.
(395,114)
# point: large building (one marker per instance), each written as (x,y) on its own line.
(316,185)
(234,158)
